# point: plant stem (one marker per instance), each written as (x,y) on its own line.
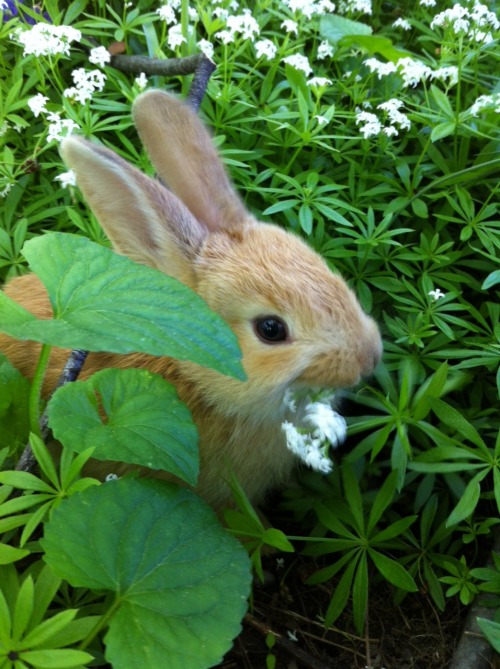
(100,624)
(35,398)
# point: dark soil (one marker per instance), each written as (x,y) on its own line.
(414,635)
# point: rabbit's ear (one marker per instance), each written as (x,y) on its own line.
(182,152)
(143,220)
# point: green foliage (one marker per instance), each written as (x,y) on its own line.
(407,211)
(162,553)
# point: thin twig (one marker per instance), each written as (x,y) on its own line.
(72,368)
(167,67)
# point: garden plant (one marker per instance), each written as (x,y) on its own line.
(369,129)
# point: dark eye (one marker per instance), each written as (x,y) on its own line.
(271,329)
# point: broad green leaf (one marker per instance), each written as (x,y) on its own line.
(14,394)
(56,659)
(334,28)
(106,302)
(130,415)
(491,631)
(10,554)
(392,571)
(180,580)
(454,419)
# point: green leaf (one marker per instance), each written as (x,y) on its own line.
(24,481)
(382,501)
(360,593)
(14,395)
(393,572)
(491,631)
(23,608)
(468,501)
(277,539)
(129,415)
(49,628)
(341,594)
(454,419)
(10,554)
(443,102)
(56,659)
(106,302)
(442,130)
(334,28)
(181,581)
(491,280)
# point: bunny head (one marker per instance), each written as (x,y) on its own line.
(297,322)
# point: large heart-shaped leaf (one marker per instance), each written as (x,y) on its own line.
(180,580)
(130,415)
(106,302)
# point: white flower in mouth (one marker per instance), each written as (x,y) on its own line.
(319,429)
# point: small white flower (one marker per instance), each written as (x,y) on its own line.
(244,24)
(6,190)
(428,3)
(355,6)
(37,104)
(413,71)
(111,477)
(402,23)
(60,128)
(436,294)
(225,36)
(99,56)
(325,50)
(175,37)
(299,62)
(141,81)
(280,563)
(382,69)
(290,26)
(45,39)
(322,120)
(444,73)
(319,82)
(167,14)
(327,424)
(66,179)
(206,47)
(372,125)
(220,13)
(292,635)
(265,48)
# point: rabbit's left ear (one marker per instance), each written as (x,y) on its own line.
(182,152)
(142,219)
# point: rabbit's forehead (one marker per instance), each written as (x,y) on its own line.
(271,268)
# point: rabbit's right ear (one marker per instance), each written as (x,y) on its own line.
(182,152)
(143,220)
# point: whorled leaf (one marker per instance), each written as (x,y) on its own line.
(130,415)
(180,580)
(106,302)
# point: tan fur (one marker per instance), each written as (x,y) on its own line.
(243,269)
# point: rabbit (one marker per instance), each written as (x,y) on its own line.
(297,322)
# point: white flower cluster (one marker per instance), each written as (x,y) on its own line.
(325,50)
(404,24)
(99,56)
(321,429)
(299,62)
(373,126)
(355,7)
(476,23)
(412,71)
(265,49)
(85,84)
(45,39)
(58,127)
(436,294)
(66,179)
(485,102)
(309,8)
(240,24)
